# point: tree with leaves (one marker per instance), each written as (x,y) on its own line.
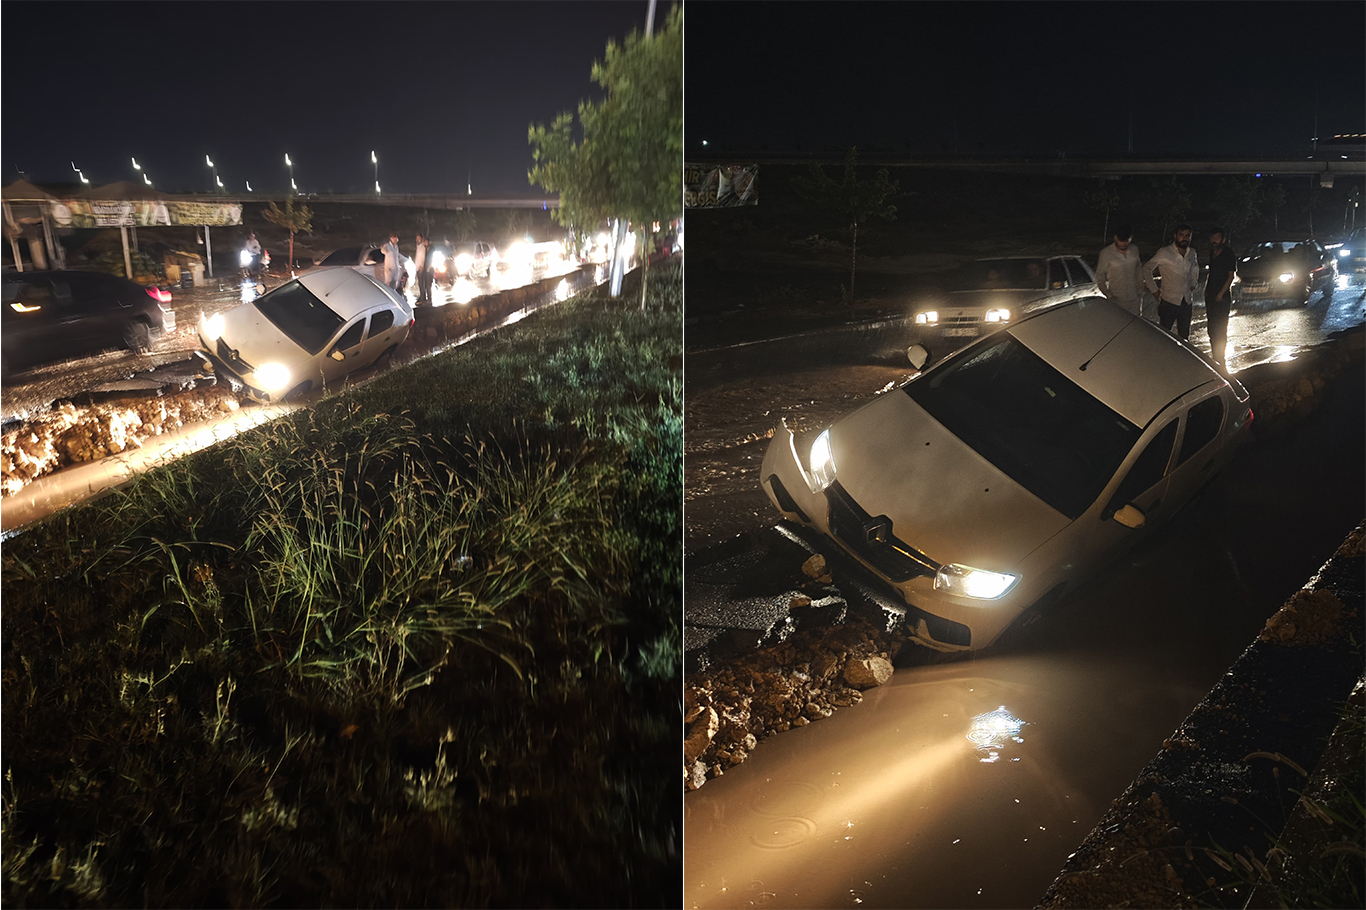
(1171,202)
(295,220)
(1240,198)
(853,200)
(628,163)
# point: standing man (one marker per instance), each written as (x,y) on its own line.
(1180,276)
(1223,265)
(1117,271)
(393,263)
(424,274)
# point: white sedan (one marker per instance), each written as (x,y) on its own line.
(369,260)
(306,334)
(994,481)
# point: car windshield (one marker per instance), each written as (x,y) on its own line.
(348,256)
(1000,274)
(294,310)
(467,247)
(1035,425)
(1277,249)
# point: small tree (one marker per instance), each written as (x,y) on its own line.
(1171,203)
(629,163)
(1275,198)
(1241,199)
(294,219)
(1103,199)
(853,200)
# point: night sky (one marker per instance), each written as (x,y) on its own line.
(441,91)
(1024,78)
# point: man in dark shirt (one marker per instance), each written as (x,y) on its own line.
(1223,265)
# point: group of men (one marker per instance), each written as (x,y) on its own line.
(393,266)
(1122,275)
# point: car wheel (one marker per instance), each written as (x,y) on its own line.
(299,391)
(136,337)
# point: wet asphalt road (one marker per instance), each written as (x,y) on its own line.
(896,802)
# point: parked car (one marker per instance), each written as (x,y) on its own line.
(989,294)
(995,481)
(60,314)
(306,334)
(1351,252)
(1285,271)
(368,260)
(461,260)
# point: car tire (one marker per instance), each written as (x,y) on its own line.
(298,391)
(137,337)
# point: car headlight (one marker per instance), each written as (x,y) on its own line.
(998,315)
(927,317)
(822,463)
(463,263)
(439,261)
(1344,252)
(211,327)
(272,377)
(244,258)
(970,582)
(1287,277)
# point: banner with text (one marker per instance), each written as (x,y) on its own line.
(86,213)
(720,185)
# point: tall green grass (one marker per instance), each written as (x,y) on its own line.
(417,646)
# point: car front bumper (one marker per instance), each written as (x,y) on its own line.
(943,622)
(215,364)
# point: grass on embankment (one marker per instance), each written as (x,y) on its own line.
(417,646)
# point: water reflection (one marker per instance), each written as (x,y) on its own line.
(990,731)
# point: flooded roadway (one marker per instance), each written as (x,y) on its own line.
(967,783)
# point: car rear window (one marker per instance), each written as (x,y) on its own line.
(294,310)
(1038,427)
(348,256)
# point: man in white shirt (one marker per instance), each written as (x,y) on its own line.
(1180,277)
(1117,271)
(393,263)
(424,273)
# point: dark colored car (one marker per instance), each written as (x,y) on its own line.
(1285,271)
(1351,252)
(61,314)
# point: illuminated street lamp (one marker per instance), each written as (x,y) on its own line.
(78,173)
(374,159)
(145,179)
(248,186)
(214,168)
(290,164)
(376,187)
(136,166)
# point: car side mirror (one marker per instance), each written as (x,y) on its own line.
(337,355)
(918,356)
(1130,517)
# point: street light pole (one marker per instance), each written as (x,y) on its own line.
(290,164)
(374,159)
(214,168)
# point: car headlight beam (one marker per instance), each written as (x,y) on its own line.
(211,327)
(1287,277)
(927,317)
(822,463)
(272,377)
(970,582)
(999,314)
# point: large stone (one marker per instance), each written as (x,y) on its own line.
(700,734)
(868,672)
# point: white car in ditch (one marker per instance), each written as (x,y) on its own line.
(996,480)
(308,333)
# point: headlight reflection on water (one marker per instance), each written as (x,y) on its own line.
(990,731)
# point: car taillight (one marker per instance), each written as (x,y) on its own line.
(159,295)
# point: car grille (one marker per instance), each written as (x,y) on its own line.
(871,539)
(964,321)
(232,359)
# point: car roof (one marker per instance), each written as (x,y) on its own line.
(1133,366)
(345,291)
